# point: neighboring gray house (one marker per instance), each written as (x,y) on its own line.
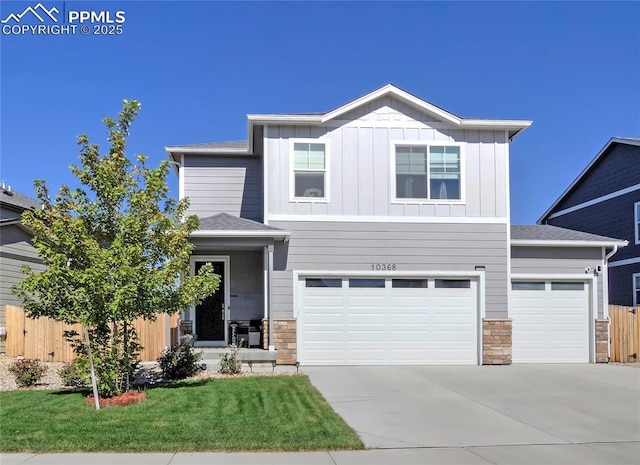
(379,233)
(15,249)
(605,199)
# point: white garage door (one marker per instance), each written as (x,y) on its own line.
(550,322)
(381,321)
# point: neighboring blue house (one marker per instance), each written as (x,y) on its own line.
(605,199)
(379,233)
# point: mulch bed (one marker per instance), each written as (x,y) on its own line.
(127,398)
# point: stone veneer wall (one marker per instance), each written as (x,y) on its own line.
(284,335)
(602,341)
(496,341)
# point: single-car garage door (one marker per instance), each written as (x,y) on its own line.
(550,322)
(384,320)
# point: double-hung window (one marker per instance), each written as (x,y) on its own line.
(428,172)
(636,289)
(309,170)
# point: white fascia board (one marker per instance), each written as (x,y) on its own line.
(206,151)
(240,233)
(268,119)
(613,140)
(543,243)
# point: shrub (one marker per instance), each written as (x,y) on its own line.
(180,361)
(27,372)
(229,362)
(76,373)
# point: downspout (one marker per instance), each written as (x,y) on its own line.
(605,293)
(272,347)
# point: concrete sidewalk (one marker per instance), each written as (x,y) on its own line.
(579,454)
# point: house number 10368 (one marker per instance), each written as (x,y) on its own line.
(383,266)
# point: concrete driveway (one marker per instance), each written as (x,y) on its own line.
(503,414)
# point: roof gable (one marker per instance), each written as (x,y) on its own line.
(601,157)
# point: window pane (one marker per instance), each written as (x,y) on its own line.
(567,286)
(411,186)
(411,160)
(409,283)
(528,286)
(444,172)
(309,184)
(323,282)
(453,283)
(366,282)
(308,156)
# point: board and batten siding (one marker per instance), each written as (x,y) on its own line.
(224,184)
(360,165)
(558,260)
(15,251)
(427,247)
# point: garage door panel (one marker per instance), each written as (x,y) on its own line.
(550,325)
(398,325)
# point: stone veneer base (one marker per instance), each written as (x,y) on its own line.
(284,339)
(602,341)
(496,341)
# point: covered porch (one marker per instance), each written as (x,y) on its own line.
(239,313)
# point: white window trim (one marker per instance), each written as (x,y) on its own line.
(636,222)
(292,184)
(635,289)
(427,144)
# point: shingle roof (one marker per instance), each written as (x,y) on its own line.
(227,222)
(17,201)
(545,232)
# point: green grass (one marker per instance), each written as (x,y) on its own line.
(253,413)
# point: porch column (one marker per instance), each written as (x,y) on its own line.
(272,347)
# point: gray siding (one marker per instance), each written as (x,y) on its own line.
(224,184)
(247,283)
(558,260)
(347,246)
(15,250)
(360,159)
(616,169)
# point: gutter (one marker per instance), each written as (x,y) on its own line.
(605,291)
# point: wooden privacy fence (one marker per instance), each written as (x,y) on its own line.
(624,333)
(42,338)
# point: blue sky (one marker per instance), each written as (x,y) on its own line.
(199,67)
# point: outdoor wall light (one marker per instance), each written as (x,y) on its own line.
(480,268)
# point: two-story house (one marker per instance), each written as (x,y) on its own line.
(605,199)
(379,233)
(16,249)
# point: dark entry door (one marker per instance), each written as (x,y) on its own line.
(210,313)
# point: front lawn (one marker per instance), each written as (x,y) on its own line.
(251,413)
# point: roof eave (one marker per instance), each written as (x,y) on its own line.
(561,243)
(282,235)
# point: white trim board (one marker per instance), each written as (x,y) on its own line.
(389,219)
(596,201)
(558,243)
(628,261)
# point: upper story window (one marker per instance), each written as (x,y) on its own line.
(428,172)
(636,208)
(309,170)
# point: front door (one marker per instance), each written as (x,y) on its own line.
(210,314)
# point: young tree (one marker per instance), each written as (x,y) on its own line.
(116,250)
